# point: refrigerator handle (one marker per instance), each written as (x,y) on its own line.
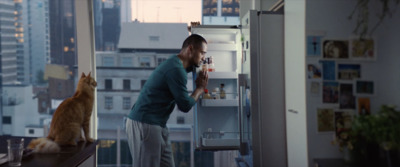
(242,84)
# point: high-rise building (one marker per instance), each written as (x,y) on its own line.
(107,20)
(126,11)
(8,43)
(63,33)
(23,60)
(36,31)
(220,12)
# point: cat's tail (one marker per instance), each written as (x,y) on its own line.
(44,145)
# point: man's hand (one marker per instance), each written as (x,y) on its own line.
(202,80)
(201,84)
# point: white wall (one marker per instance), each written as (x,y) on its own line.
(330,17)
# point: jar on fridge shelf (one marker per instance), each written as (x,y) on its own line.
(206,94)
(215,93)
(222,92)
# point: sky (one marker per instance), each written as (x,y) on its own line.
(181,11)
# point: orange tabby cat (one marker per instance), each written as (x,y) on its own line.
(72,115)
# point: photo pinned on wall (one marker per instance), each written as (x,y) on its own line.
(346,98)
(364,87)
(362,49)
(328,69)
(343,120)
(325,120)
(315,88)
(349,71)
(335,49)
(364,106)
(330,92)
(314,43)
(313,71)
(314,46)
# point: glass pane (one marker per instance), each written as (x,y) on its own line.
(38,67)
(132,39)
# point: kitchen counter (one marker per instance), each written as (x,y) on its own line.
(82,155)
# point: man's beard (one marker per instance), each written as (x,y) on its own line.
(191,68)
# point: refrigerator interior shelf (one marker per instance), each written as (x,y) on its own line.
(221,47)
(222,75)
(220,142)
(219,102)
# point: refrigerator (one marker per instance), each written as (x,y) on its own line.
(249,61)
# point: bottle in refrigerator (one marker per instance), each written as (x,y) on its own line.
(211,67)
(206,94)
(222,94)
(204,66)
(215,93)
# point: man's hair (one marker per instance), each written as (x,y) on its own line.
(195,40)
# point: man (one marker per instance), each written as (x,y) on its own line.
(146,127)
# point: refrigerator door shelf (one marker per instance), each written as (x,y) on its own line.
(219,102)
(220,142)
(222,75)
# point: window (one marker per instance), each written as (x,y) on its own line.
(154,38)
(126,62)
(144,61)
(108,102)
(108,84)
(126,103)
(6,120)
(108,61)
(127,84)
(31,131)
(59,87)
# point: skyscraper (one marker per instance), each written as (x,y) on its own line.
(107,16)
(8,43)
(23,72)
(126,11)
(62,33)
(35,26)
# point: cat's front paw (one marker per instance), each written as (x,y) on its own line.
(89,140)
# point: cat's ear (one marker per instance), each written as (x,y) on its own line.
(83,75)
(89,74)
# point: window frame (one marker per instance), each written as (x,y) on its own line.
(108,84)
(126,103)
(86,50)
(126,84)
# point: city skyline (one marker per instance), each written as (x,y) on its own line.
(170,11)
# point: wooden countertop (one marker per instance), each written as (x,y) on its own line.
(68,157)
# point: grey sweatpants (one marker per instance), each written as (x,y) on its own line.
(149,145)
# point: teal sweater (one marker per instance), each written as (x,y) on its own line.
(165,87)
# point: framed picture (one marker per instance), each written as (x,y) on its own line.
(364,106)
(330,92)
(364,87)
(314,43)
(315,88)
(335,49)
(363,49)
(343,120)
(328,69)
(325,120)
(349,71)
(346,98)
(313,71)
